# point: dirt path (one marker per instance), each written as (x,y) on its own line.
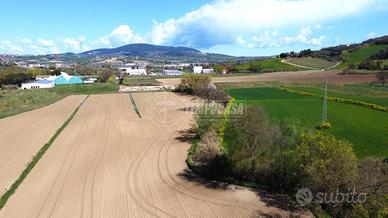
(297,76)
(23,135)
(108,162)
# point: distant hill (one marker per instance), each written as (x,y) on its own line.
(156,52)
(368,48)
(369,54)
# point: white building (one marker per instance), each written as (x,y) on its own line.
(200,69)
(134,69)
(197,69)
(39,84)
(173,72)
(207,71)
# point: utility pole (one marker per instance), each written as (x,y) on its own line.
(324,109)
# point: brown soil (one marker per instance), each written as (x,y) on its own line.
(108,162)
(298,76)
(23,135)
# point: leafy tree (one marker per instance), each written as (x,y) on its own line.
(55,72)
(255,66)
(104,74)
(283,55)
(344,55)
(305,53)
(326,164)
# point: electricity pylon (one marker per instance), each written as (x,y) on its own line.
(324,109)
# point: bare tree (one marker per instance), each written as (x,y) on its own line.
(208,148)
(373,176)
(382,77)
(210,94)
(255,135)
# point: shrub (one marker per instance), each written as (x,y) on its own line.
(205,122)
(324,125)
(207,149)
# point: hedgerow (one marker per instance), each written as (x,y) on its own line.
(340,100)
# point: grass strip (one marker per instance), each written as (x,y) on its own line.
(134,105)
(4,198)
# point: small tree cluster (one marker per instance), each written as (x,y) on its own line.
(199,85)
(105,74)
(371,65)
(191,82)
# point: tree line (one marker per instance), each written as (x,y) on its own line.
(14,76)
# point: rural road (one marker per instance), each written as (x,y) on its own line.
(109,162)
(23,135)
(293,76)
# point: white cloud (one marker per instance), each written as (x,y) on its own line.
(240,40)
(82,38)
(73,44)
(224,20)
(123,34)
(46,42)
(305,37)
(371,35)
(9,47)
(270,39)
(266,39)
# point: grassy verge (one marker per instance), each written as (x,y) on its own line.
(140,81)
(134,106)
(18,101)
(4,198)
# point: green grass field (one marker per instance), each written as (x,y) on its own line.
(366,129)
(319,91)
(18,101)
(356,57)
(312,62)
(268,65)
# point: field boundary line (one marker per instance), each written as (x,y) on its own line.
(5,197)
(134,105)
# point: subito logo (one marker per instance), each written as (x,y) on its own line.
(304,196)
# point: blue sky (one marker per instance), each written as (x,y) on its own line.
(235,27)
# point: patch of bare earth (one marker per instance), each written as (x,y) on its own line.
(21,136)
(109,162)
(297,76)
